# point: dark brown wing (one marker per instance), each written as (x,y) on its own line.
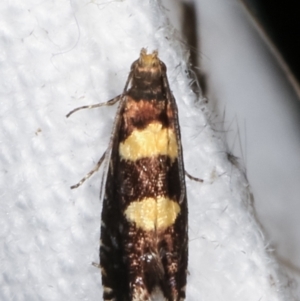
(113,269)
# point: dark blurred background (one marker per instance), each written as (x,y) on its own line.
(281,20)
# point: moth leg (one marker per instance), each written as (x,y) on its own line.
(108,103)
(88,175)
(193,178)
(96,265)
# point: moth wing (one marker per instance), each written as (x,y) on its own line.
(179,228)
(113,270)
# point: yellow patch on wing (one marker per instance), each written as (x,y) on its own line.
(152,141)
(153,214)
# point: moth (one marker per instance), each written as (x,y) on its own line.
(144,239)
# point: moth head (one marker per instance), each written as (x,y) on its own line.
(148,60)
(148,66)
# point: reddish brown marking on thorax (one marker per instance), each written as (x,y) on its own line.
(138,114)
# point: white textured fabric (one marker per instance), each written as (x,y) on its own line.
(58,55)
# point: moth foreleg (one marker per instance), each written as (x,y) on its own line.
(107,103)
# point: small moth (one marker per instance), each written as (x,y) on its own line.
(144,239)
